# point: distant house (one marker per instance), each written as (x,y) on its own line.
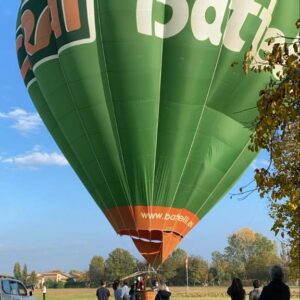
(76,276)
(55,275)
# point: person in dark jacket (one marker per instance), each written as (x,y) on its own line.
(132,292)
(276,289)
(103,293)
(163,293)
(236,291)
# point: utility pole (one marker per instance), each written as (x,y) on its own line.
(187,274)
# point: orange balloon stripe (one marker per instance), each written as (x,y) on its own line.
(155,230)
(151,218)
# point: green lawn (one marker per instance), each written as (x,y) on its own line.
(178,293)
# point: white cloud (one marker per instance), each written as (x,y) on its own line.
(35,160)
(23,121)
(260,163)
(37,148)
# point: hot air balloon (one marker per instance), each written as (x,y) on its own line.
(141,99)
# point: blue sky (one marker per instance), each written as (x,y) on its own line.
(47,218)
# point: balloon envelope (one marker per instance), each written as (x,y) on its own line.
(141,99)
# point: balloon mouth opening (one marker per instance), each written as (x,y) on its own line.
(155,236)
(154,245)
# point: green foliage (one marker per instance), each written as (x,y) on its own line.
(244,246)
(167,270)
(198,270)
(32,279)
(79,279)
(60,285)
(173,269)
(51,284)
(249,255)
(219,272)
(17,271)
(96,270)
(277,130)
(54,285)
(258,266)
(24,274)
(119,264)
(142,265)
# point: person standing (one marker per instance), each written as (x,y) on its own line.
(132,292)
(236,291)
(44,292)
(255,293)
(142,284)
(125,291)
(276,289)
(117,290)
(163,293)
(102,293)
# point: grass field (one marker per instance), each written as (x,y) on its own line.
(178,293)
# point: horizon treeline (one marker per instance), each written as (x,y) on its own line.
(248,255)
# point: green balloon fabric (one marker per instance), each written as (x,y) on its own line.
(142,100)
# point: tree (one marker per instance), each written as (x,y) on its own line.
(167,270)
(96,270)
(284,254)
(79,279)
(142,265)
(245,249)
(240,248)
(173,269)
(198,270)
(32,279)
(119,264)
(52,284)
(277,130)
(60,285)
(25,274)
(219,271)
(258,266)
(178,260)
(17,271)
(213,276)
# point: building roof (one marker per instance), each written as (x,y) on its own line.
(54,273)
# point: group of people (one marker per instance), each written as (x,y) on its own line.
(120,292)
(123,292)
(275,290)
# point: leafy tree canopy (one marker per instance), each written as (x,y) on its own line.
(17,271)
(172,270)
(198,270)
(244,251)
(277,130)
(32,279)
(25,274)
(96,270)
(119,264)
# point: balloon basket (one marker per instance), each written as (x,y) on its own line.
(146,295)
